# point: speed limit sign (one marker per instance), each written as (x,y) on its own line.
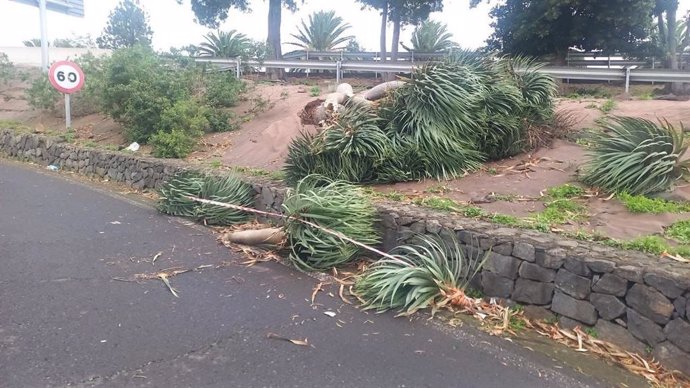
(67,77)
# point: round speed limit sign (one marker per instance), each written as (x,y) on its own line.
(67,77)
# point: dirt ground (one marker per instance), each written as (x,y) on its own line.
(270,113)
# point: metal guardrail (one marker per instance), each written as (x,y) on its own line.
(626,74)
(366,55)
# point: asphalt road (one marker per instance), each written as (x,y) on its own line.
(65,321)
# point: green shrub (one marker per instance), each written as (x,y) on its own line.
(178,143)
(565,191)
(220,120)
(186,115)
(7,70)
(637,156)
(223,90)
(42,95)
(138,88)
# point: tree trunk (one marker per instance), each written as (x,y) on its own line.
(662,30)
(275,9)
(384,25)
(671,36)
(395,43)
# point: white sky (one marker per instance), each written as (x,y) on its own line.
(173,24)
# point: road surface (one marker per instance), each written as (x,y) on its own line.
(66,321)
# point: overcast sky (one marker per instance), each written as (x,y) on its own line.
(173,24)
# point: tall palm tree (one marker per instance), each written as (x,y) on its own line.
(431,37)
(222,44)
(325,32)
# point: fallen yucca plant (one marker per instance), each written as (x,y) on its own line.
(429,273)
(174,198)
(335,205)
(637,156)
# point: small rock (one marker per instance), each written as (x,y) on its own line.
(601,266)
(538,313)
(524,251)
(577,266)
(608,306)
(531,292)
(495,285)
(672,357)
(579,310)
(506,266)
(618,335)
(572,284)
(665,283)
(644,328)
(678,332)
(650,303)
(553,258)
(629,272)
(301,89)
(611,284)
(534,272)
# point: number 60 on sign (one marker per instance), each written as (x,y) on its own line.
(67,77)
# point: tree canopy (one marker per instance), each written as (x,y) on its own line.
(128,25)
(552,26)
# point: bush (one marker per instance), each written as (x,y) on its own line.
(7,69)
(42,95)
(178,143)
(137,89)
(185,114)
(220,120)
(637,156)
(223,90)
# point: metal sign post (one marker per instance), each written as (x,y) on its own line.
(67,77)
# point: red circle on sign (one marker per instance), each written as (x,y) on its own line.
(65,83)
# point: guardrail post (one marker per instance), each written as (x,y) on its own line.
(627,80)
(238,71)
(338,65)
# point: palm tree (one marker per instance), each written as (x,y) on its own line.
(221,44)
(431,37)
(324,32)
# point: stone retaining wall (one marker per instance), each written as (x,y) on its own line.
(637,301)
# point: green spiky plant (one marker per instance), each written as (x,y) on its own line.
(227,189)
(335,205)
(429,273)
(637,156)
(350,149)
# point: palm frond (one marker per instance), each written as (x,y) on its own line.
(231,44)
(334,205)
(325,32)
(636,156)
(430,273)
(431,37)
(228,189)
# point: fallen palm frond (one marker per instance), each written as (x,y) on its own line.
(637,156)
(430,273)
(174,198)
(336,206)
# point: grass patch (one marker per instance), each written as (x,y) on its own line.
(274,175)
(14,125)
(315,91)
(642,204)
(504,197)
(438,203)
(560,211)
(647,244)
(608,106)
(565,191)
(505,219)
(680,231)
(216,163)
